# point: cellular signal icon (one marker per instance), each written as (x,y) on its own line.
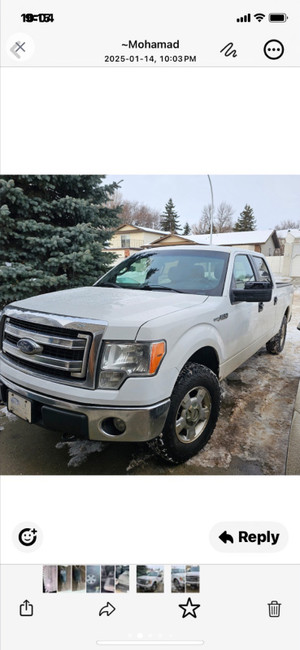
(259,17)
(244,19)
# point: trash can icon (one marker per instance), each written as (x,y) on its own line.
(274,609)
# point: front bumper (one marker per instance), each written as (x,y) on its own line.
(90,421)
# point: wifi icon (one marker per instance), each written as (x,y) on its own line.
(259,17)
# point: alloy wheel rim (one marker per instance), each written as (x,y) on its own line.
(193,414)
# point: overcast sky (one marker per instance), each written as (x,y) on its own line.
(273,198)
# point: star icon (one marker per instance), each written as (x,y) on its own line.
(189,609)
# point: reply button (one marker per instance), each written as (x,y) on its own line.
(249,537)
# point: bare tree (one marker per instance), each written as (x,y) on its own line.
(223,221)
(134,212)
(203,225)
(140,214)
(287,223)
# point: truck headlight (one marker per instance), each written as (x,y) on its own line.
(122,360)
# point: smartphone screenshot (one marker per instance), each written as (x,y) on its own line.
(149,325)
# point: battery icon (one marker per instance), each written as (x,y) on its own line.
(278,18)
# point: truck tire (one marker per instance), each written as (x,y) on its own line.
(276,344)
(192,417)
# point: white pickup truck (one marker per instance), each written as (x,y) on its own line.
(149,581)
(139,356)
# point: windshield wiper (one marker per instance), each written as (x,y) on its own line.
(144,287)
(161,287)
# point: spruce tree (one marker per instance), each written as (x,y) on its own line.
(53,230)
(186,229)
(246,221)
(169,218)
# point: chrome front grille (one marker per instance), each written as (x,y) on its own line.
(57,352)
(53,346)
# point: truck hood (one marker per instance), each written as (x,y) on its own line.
(124,310)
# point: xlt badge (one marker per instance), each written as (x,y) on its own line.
(222,317)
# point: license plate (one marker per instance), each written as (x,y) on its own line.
(19,406)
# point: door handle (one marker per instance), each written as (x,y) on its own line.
(275,300)
(260,306)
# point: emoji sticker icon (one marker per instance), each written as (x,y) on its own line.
(27,536)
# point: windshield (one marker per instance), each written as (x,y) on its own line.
(152,573)
(186,271)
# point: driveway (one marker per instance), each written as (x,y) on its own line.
(251,437)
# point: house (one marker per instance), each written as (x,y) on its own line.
(282,235)
(128,239)
(261,241)
(288,264)
(291,265)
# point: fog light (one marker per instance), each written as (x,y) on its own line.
(112,426)
(119,424)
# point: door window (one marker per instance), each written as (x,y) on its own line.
(262,269)
(242,272)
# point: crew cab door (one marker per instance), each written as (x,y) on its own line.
(267,310)
(244,316)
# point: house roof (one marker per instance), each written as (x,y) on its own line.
(161,232)
(236,238)
(292,231)
(171,234)
(132,225)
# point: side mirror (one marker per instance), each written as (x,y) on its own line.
(253,292)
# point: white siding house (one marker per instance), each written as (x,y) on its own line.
(128,239)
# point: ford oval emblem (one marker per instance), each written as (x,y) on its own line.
(28,346)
